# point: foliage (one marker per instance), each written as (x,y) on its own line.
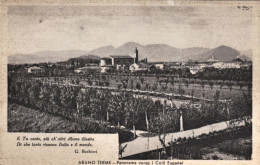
(124,108)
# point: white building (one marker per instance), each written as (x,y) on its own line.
(139,66)
(34,69)
(202,66)
(194,71)
(119,62)
(106,68)
(223,65)
(87,68)
(160,66)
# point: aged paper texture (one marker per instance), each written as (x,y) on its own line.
(129,82)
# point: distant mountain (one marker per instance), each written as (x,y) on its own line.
(247,54)
(190,53)
(160,52)
(221,53)
(103,51)
(154,52)
(127,49)
(94,57)
(44,56)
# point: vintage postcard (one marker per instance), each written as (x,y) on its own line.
(160,82)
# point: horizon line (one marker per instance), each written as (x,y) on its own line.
(87,51)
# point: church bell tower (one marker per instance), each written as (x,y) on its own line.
(136,55)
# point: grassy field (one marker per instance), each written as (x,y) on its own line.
(24,119)
(229,144)
(148,84)
(230,150)
(208,92)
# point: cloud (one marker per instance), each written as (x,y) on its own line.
(85,28)
(63,11)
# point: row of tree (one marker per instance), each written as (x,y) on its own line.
(125,108)
(235,74)
(140,83)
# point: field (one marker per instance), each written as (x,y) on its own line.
(24,119)
(129,104)
(20,119)
(178,86)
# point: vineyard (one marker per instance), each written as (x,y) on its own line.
(152,84)
(101,108)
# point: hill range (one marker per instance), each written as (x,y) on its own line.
(154,53)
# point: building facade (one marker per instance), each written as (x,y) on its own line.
(118,62)
(121,60)
(223,65)
(140,67)
(34,69)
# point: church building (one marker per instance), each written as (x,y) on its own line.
(120,62)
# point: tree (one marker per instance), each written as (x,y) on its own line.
(116,107)
(121,149)
(147,86)
(172,81)
(55,98)
(181,90)
(138,86)
(81,102)
(119,85)
(211,84)
(45,96)
(34,93)
(147,106)
(134,111)
(131,84)
(155,86)
(157,77)
(187,83)
(142,80)
(167,81)
(164,122)
(192,95)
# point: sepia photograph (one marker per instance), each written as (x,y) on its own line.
(174,82)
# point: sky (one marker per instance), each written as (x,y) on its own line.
(38,28)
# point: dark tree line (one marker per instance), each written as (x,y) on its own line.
(124,108)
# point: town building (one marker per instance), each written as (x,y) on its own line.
(194,71)
(140,67)
(122,60)
(119,62)
(35,69)
(229,64)
(160,66)
(105,61)
(246,65)
(88,68)
(174,66)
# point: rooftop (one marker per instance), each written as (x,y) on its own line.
(105,58)
(120,56)
(35,67)
(91,64)
(88,67)
(143,65)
